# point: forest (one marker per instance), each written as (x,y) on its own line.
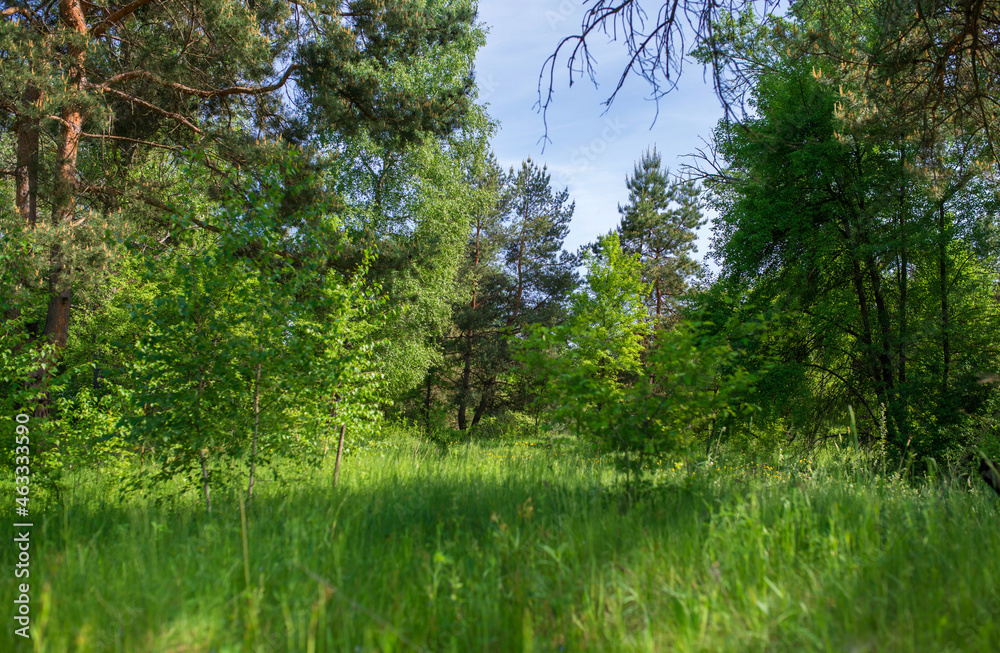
(289,360)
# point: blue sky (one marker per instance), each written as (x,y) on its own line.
(590,152)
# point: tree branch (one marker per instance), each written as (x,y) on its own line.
(126,139)
(152,107)
(187,90)
(21,11)
(122,12)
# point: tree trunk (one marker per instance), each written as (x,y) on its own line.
(894,420)
(943,280)
(57,317)
(859,290)
(64,188)
(463,396)
(904,274)
(657,289)
(256,429)
(203,450)
(659,303)
(203,458)
(427,406)
(26,167)
(903,321)
(481,407)
(873,358)
(340,451)
(25,183)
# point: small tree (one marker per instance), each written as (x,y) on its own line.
(608,320)
(636,408)
(238,345)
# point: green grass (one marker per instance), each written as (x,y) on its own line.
(522,547)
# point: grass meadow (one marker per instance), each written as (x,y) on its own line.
(526,545)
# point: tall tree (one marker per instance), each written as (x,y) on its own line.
(201,81)
(540,271)
(527,280)
(824,221)
(475,316)
(659,225)
(414,208)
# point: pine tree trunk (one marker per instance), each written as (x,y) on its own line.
(64,189)
(26,167)
(25,184)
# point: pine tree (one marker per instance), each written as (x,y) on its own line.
(659,224)
(524,277)
(101,99)
(540,271)
(475,318)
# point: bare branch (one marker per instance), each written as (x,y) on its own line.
(656,54)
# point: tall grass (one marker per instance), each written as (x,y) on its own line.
(525,546)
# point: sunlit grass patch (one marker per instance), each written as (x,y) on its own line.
(498,547)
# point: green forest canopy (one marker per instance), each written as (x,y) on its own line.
(196,265)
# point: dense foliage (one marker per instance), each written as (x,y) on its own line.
(237,230)
(289,361)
